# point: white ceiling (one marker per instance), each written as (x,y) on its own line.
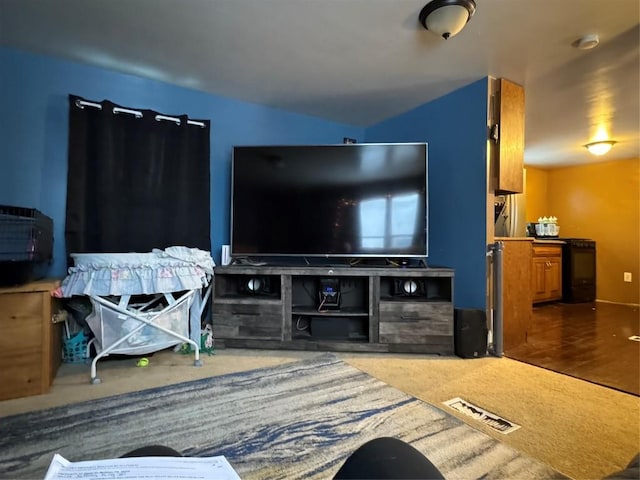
(361,61)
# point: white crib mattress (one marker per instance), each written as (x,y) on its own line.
(160,271)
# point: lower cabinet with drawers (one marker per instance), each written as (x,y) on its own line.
(334,308)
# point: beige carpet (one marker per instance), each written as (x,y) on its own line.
(582,430)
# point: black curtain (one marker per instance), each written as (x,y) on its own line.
(135,183)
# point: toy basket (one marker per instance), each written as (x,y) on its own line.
(75,349)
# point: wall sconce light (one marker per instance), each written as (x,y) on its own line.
(600,148)
(447,17)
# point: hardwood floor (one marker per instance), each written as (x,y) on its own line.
(589,341)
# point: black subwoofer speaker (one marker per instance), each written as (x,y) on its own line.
(470,332)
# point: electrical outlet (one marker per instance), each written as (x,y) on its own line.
(627,277)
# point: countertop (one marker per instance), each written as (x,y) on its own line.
(552,241)
(549,241)
(514,239)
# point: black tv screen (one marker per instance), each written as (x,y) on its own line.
(347,200)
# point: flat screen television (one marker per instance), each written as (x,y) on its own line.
(347,200)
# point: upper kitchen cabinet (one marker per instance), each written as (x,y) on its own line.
(506,130)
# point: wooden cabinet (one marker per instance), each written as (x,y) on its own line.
(378,309)
(546,273)
(30,344)
(516,291)
(507,113)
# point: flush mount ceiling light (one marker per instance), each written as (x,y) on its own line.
(447,17)
(600,148)
(587,42)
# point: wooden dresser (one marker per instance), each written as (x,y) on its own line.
(30,343)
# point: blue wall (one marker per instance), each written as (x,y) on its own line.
(454,126)
(34,132)
(33,150)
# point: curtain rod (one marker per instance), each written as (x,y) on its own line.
(137,113)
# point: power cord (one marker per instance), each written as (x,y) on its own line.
(324,299)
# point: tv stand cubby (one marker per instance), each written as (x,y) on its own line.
(334,308)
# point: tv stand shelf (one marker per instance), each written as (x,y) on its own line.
(343,312)
(379,309)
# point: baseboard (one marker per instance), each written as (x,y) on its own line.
(619,303)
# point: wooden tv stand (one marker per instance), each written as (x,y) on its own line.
(279,308)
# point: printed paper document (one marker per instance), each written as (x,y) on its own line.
(143,468)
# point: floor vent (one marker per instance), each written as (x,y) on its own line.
(635,338)
(480,414)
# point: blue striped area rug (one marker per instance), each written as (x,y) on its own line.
(298,420)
